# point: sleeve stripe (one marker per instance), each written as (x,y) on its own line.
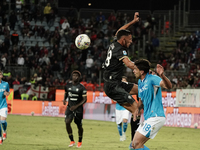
(123,57)
(84,95)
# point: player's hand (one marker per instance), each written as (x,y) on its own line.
(152,72)
(6,93)
(135,115)
(159,69)
(72,108)
(64,102)
(136,17)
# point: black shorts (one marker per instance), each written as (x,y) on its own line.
(76,115)
(119,92)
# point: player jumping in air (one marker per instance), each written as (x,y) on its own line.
(77,96)
(114,66)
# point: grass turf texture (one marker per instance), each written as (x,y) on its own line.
(49,133)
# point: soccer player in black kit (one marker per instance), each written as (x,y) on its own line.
(77,96)
(114,67)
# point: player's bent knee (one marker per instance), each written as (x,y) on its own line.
(136,144)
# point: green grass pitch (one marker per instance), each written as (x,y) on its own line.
(49,133)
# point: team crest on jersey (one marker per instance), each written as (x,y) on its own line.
(124,52)
(76,89)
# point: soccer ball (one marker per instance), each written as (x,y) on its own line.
(82,41)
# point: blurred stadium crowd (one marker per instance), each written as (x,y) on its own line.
(35,36)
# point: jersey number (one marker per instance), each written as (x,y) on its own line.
(109,55)
(146,127)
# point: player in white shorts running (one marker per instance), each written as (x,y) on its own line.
(149,93)
(4,91)
(122,116)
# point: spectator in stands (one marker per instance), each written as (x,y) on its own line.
(111,19)
(89,63)
(55,67)
(148,50)
(3,62)
(12,60)
(34,97)
(22,46)
(181,65)
(41,31)
(155,43)
(62,82)
(193,41)
(15,38)
(65,27)
(182,39)
(191,79)
(47,11)
(74,66)
(5,6)
(44,61)
(12,20)
(90,86)
(35,30)
(62,20)
(18,6)
(20,60)
(84,82)
(52,18)
(6,29)
(24,96)
(56,83)
(22,52)
(3,48)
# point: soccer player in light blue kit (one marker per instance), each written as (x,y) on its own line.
(4,91)
(149,93)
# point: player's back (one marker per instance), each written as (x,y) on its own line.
(113,64)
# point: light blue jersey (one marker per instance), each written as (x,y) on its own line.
(119,107)
(149,91)
(3,87)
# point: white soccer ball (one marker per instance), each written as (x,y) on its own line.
(82,41)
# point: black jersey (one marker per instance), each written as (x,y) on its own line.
(113,64)
(75,93)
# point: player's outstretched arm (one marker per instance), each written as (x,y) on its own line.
(165,83)
(128,63)
(126,26)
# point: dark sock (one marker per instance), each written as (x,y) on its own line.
(71,137)
(80,139)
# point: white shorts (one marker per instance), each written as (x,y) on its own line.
(151,126)
(4,112)
(120,115)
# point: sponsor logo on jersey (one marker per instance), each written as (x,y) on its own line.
(145,87)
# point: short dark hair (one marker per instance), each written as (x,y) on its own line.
(124,77)
(76,71)
(123,33)
(143,64)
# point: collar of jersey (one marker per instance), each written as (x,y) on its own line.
(145,77)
